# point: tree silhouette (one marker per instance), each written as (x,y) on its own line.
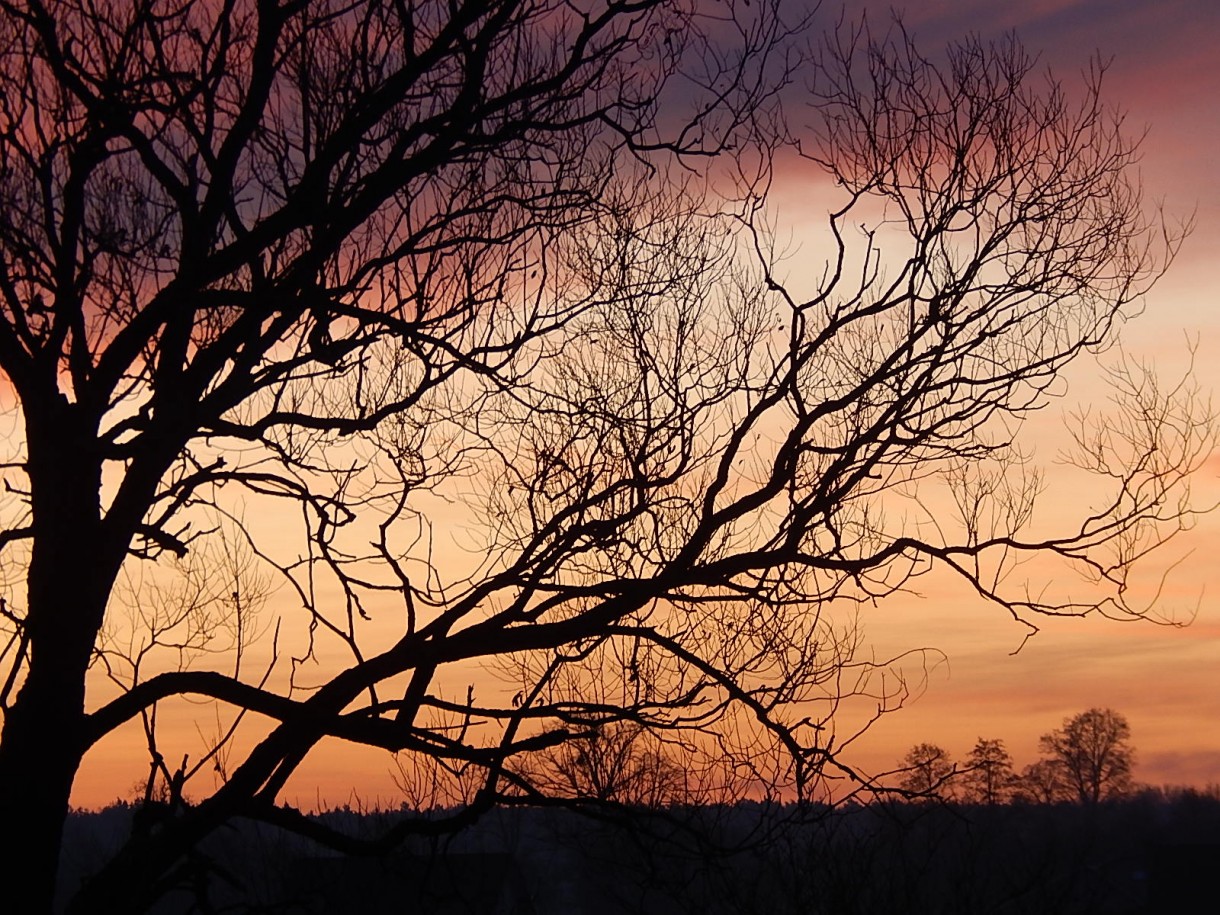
(1093,752)
(1042,782)
(988,777)
(462,317)
(927,770)
(614,764)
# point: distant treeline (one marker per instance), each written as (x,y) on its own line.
(1150,851)
(1088,759)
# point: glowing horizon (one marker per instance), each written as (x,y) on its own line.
(1164,74)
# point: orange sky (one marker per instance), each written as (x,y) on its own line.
(1166,74)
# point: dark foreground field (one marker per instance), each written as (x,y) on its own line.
(1150,854)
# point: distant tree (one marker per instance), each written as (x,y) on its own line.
(1041,782)
(927,769)
(988,775)
(1093,753)
(619,762)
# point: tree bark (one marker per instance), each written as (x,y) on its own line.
(40,753)
(72,568)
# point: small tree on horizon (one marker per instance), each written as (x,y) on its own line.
(1093,753)
(988,776)
(927,770)
(1041,782)
(617,763)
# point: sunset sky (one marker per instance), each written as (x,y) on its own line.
(1165,74)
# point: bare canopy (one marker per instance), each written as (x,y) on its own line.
(1093,754)
(461,321)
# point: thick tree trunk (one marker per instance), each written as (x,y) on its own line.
(72,568)
(40,751)
(43,739)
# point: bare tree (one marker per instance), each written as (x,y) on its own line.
(614,764)
(1094,754)
(460,284)
(1042,782)
(927,770)
(988,777)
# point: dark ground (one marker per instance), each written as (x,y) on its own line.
(1158,852)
